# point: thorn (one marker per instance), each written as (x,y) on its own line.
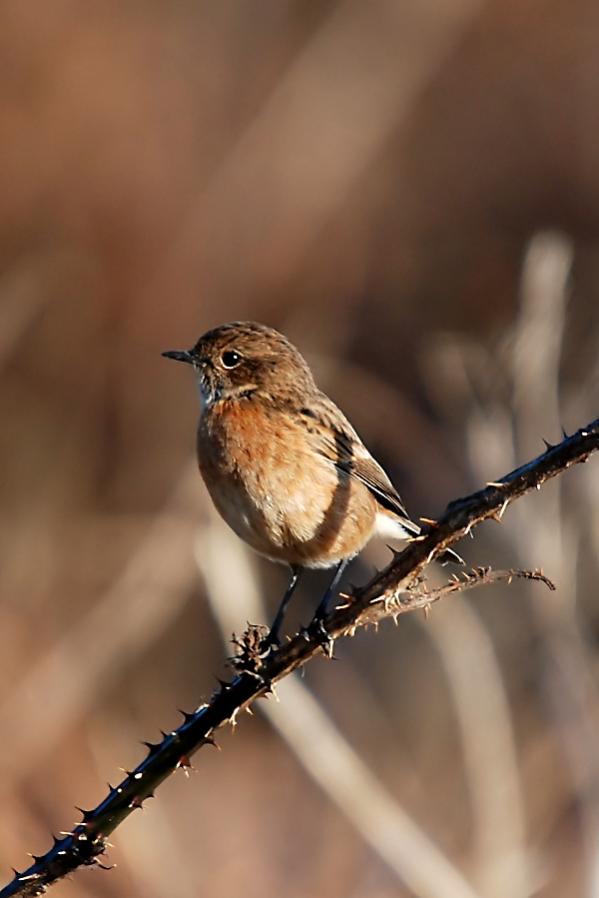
(184,761)
(548,445)
(152,747)
(498,515)
(102,866)
(187,715)
(87,815)
(209,740)
(249,711)
(136,802)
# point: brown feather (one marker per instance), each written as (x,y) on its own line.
(336,440)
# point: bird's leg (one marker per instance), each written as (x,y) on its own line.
(273,636)
(321,611)
(317,628)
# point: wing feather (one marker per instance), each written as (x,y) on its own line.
(337,441)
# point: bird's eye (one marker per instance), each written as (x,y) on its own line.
(230,358)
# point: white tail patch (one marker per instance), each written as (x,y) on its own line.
(390,528)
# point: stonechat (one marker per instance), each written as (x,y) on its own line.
(283,465)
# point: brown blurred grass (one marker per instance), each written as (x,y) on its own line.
(368,178)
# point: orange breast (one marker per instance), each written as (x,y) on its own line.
(275,491)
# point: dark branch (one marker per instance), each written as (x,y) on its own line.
(394,591)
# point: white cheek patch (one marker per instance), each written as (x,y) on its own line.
(388,528)
(203,396)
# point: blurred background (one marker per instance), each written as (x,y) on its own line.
(410,191)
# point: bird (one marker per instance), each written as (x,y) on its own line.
(282,464)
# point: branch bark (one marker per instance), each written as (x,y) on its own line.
(397,589)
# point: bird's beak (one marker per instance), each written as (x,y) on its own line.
(179,355)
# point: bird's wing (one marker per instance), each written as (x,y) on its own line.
(336,440)
(372,475)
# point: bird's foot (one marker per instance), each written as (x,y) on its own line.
(271,642)
(317,631)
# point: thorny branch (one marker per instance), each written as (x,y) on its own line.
(397,589)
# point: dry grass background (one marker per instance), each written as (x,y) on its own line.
(411,192)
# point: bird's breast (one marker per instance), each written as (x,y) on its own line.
(276,491)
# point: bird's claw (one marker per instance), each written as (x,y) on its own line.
(317,631)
